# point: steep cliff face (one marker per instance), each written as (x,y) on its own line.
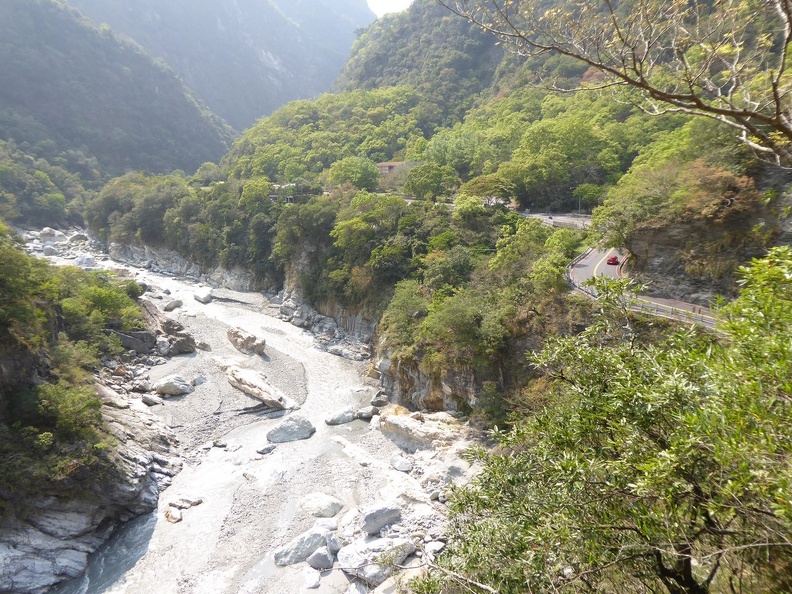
(408,386)
(244,58)
(694,254)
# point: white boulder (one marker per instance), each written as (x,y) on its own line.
(341,417)
(203,294)
(301,547)
(173,385)
(401,463)
(373,560)
(246,342)
(255,384)
(85,261)
(321,559)
(291,429)
(376,517)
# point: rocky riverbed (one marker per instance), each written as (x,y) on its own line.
(272,498)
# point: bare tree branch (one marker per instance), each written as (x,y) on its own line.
(726,59)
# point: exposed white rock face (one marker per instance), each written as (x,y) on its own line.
(246,342)
(291,429)
(301,547)
(412,434)
(255,384)
(373,560)
(170,262)
(321,505)
(203,295)
(375,518)
(173,385)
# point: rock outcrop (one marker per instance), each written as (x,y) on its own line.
(47,538)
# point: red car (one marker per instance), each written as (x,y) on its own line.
(613,260)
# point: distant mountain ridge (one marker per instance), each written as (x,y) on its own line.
(244,58)
(68,88)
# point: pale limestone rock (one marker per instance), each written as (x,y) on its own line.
(341,417)
(311,578)
(203,295)
(85,261)
(412,434)
(173,385)
(246,342)
(321,559)
(376,517)
(151,400)
(291,429)
(301,547)
(366,413)
(401,463)
(333,543)
(373,560)
(255,384)
(175,304)
(321,505)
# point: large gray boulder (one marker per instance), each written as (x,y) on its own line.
(246,342)
(373,560)
(376,517)
(301,547)
(291,429)
(255,384)
(50,234)
(173,385)
(321,558)
(85,261)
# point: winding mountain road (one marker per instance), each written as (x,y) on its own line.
(594,263)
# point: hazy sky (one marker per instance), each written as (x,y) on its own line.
(380,7)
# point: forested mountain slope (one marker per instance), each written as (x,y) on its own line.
(428,48)
(69,86)
(244,58)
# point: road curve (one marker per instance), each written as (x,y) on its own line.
(593,263)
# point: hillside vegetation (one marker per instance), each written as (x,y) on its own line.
(51,340)
(628,453)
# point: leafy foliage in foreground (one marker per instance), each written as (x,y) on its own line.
(52,323)
(658,468)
